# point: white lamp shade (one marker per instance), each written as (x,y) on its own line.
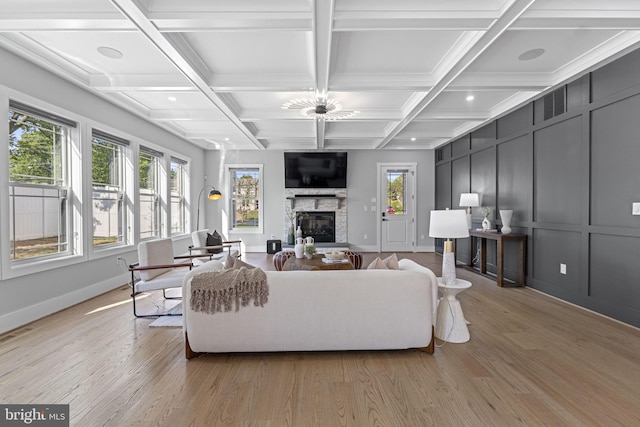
(448,224)
(469,199)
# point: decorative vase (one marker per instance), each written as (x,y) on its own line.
(505,215)
(299,248)
(298,232)
(308,256)
(291,236)
(486,224)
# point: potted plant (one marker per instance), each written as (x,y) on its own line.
(309,250)
(486,223)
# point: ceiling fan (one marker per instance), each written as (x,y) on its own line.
(319,108)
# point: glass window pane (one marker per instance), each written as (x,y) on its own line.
(35,150)
(38,219)
(149,197)
(396,192)
(178,206)
(245,184)
(108,193)
(37,222)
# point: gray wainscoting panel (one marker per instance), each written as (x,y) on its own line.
(483,171)
(615,275)
(483,136)
(615,152)
(516,121)
(515,177)
(460,180)
(558,173)
(615,77)
(443,185)
(460,146)
(550,249)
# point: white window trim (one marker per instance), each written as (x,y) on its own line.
(228,205)
(8,268)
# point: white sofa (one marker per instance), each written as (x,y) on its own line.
(322,310)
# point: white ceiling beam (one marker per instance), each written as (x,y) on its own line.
(184,115)
(30,20)
(511,14)
(257,115)
(322,31)
(140,82)
(132,11)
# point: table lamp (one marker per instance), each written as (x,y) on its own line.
(470,200)
(448,224)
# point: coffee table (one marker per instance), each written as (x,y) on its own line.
(315,263)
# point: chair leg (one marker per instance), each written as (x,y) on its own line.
(135,311)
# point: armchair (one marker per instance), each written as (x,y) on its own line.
(200,251)
(157,268)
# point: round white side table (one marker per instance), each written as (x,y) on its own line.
(451,325)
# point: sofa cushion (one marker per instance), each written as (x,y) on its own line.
(377,264)
(239,264)
(391,262)
(214,240)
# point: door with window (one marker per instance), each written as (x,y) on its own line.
(397,202)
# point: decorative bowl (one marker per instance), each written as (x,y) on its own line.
(335,255)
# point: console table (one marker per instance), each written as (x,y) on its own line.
(500,238)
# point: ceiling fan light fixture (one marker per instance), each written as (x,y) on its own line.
(319,108)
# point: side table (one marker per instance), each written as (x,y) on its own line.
(451,326)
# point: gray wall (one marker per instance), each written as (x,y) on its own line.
(361,183)
(570,178)
(31,296)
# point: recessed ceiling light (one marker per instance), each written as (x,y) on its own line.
(470,98)
(226,139)
(172,98)
(531,54)
(110,52)
(413,139)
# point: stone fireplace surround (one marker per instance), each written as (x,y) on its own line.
(328,200)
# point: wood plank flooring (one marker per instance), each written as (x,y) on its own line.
(532,361)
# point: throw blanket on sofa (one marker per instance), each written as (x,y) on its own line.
(218,291)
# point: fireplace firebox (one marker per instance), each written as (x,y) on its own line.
(319,225)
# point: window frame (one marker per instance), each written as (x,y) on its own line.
(156,193)
(74,224)
(182,196)
(123,189)
(260,199)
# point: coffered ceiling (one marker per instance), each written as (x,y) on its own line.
(216,73)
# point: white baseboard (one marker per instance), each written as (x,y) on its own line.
(25,315)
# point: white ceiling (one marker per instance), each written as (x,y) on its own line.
(407,66)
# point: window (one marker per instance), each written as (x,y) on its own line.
(178,203)
(149,183)
(396,191)
(39,220)
(108,180)
(246,197)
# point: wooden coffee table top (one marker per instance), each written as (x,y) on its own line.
(314,263)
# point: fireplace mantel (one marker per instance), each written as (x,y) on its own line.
(316,197)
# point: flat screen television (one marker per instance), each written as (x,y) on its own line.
(322,169)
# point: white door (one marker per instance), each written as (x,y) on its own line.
(397,206)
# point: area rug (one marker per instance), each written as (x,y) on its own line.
(169,321)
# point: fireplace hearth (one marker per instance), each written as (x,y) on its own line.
(317,224)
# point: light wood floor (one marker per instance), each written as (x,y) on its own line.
(532,360)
